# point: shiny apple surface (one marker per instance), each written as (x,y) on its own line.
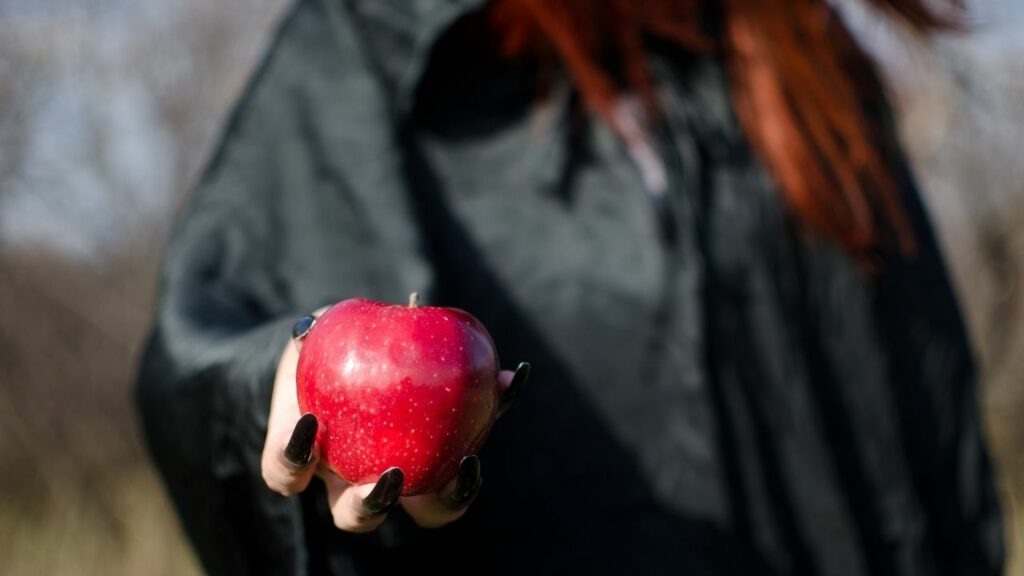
(395,385)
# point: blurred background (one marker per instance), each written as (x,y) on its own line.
(108,109)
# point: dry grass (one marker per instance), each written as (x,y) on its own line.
(120,524)
(78,495)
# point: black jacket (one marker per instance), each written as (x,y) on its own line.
(713,391)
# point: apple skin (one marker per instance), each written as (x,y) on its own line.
(393,385)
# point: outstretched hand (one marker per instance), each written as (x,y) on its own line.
(291,458)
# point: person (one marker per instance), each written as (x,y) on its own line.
(692,218)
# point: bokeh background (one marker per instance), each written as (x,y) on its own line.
(108,109)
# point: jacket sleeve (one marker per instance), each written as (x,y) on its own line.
(300,206)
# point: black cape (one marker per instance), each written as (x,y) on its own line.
(713,391)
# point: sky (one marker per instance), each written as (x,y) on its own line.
(112,102)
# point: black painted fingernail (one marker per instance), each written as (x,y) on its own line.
(300,445)
(522,374)
(385,494)
(303,326)
(468,482)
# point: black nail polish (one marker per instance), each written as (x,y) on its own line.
(468,482)
(385,494)
(302,327)
(300,445)
(522,374)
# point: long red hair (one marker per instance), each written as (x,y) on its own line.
(802,88)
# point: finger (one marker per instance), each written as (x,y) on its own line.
(467,484)
(289,449)
(288,466)
(505,378)
(449,503)
(363,508)
(515,386)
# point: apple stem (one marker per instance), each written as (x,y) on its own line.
(414,299)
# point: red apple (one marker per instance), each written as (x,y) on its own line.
(395,385)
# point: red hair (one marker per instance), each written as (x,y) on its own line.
(803,90)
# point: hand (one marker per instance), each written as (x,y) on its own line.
(291,457)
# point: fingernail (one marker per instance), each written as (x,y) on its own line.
(385,494)
(468,482)
(300,445)
(302,327)
(522,374)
